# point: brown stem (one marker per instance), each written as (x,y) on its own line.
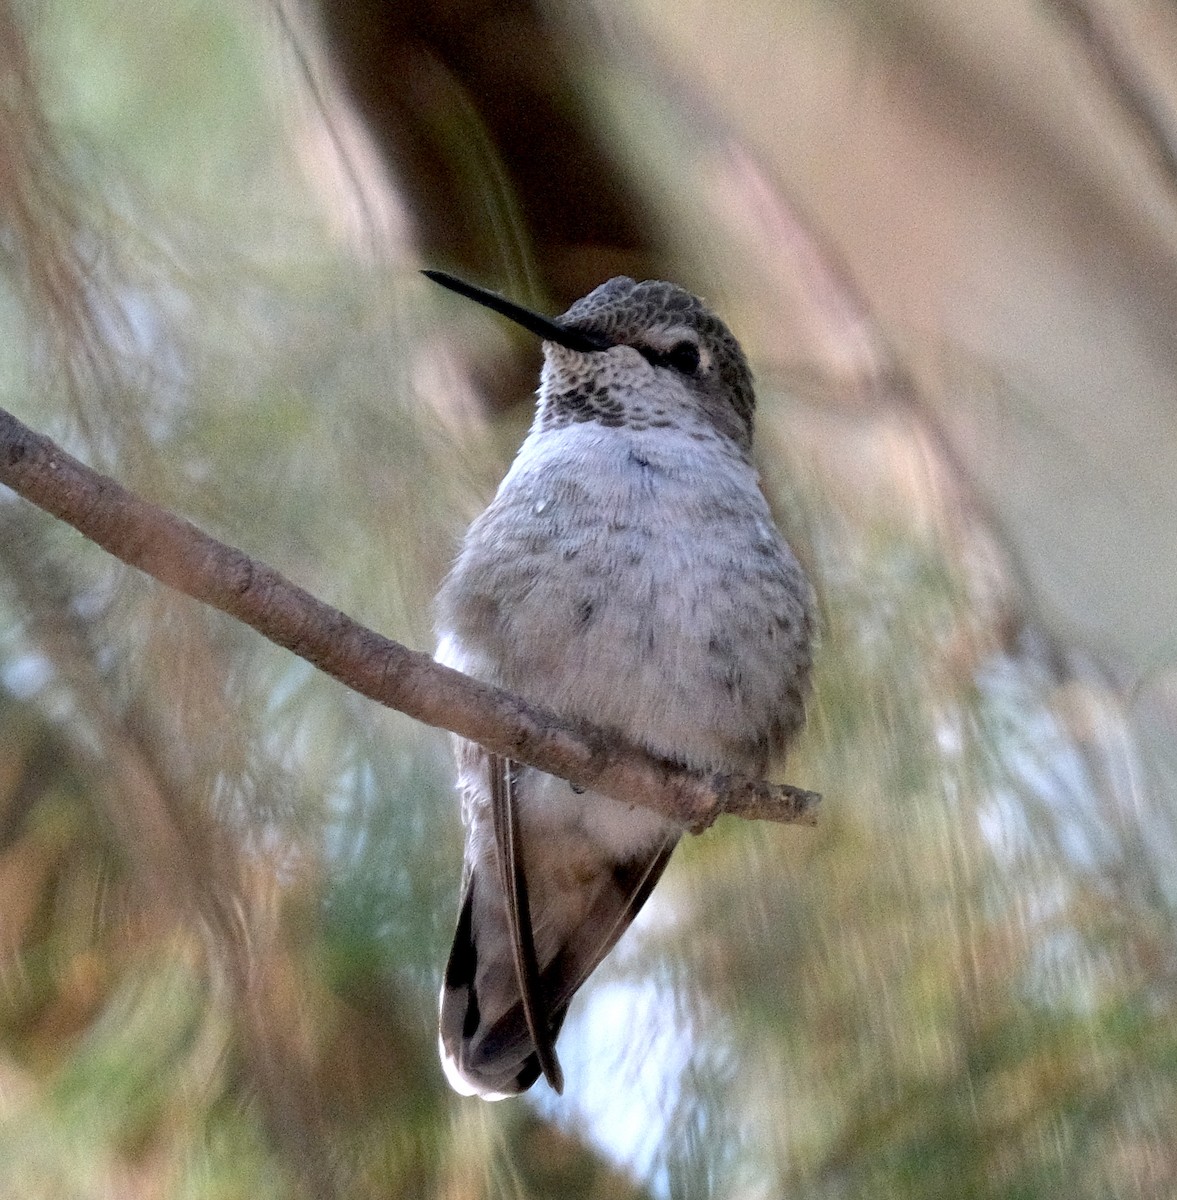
(178,554)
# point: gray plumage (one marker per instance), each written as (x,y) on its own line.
(627,572)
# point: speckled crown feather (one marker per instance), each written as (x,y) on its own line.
(623,311)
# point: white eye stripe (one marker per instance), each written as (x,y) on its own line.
(677,348)
(667,338)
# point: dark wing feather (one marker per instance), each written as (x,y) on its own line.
(498,1008)
(633,881)
(514,883)
(504,1058)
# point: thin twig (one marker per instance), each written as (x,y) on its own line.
(178,554)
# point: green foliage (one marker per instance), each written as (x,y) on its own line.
(228,887)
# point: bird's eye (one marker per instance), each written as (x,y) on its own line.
(683,357)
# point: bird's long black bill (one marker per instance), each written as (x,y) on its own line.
(545,327)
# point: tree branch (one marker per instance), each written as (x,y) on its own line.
(178,554)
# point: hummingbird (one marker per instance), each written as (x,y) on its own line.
(627,573)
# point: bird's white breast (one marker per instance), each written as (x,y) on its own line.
(631,578)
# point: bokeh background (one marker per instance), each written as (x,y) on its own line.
(946,234)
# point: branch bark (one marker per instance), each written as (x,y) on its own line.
(180,555)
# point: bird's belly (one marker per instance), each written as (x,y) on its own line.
(638,584)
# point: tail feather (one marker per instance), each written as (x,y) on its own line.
(486,1046)
(490,1062)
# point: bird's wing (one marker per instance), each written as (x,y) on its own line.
(512,876)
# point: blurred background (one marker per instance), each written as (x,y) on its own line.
(946,234)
